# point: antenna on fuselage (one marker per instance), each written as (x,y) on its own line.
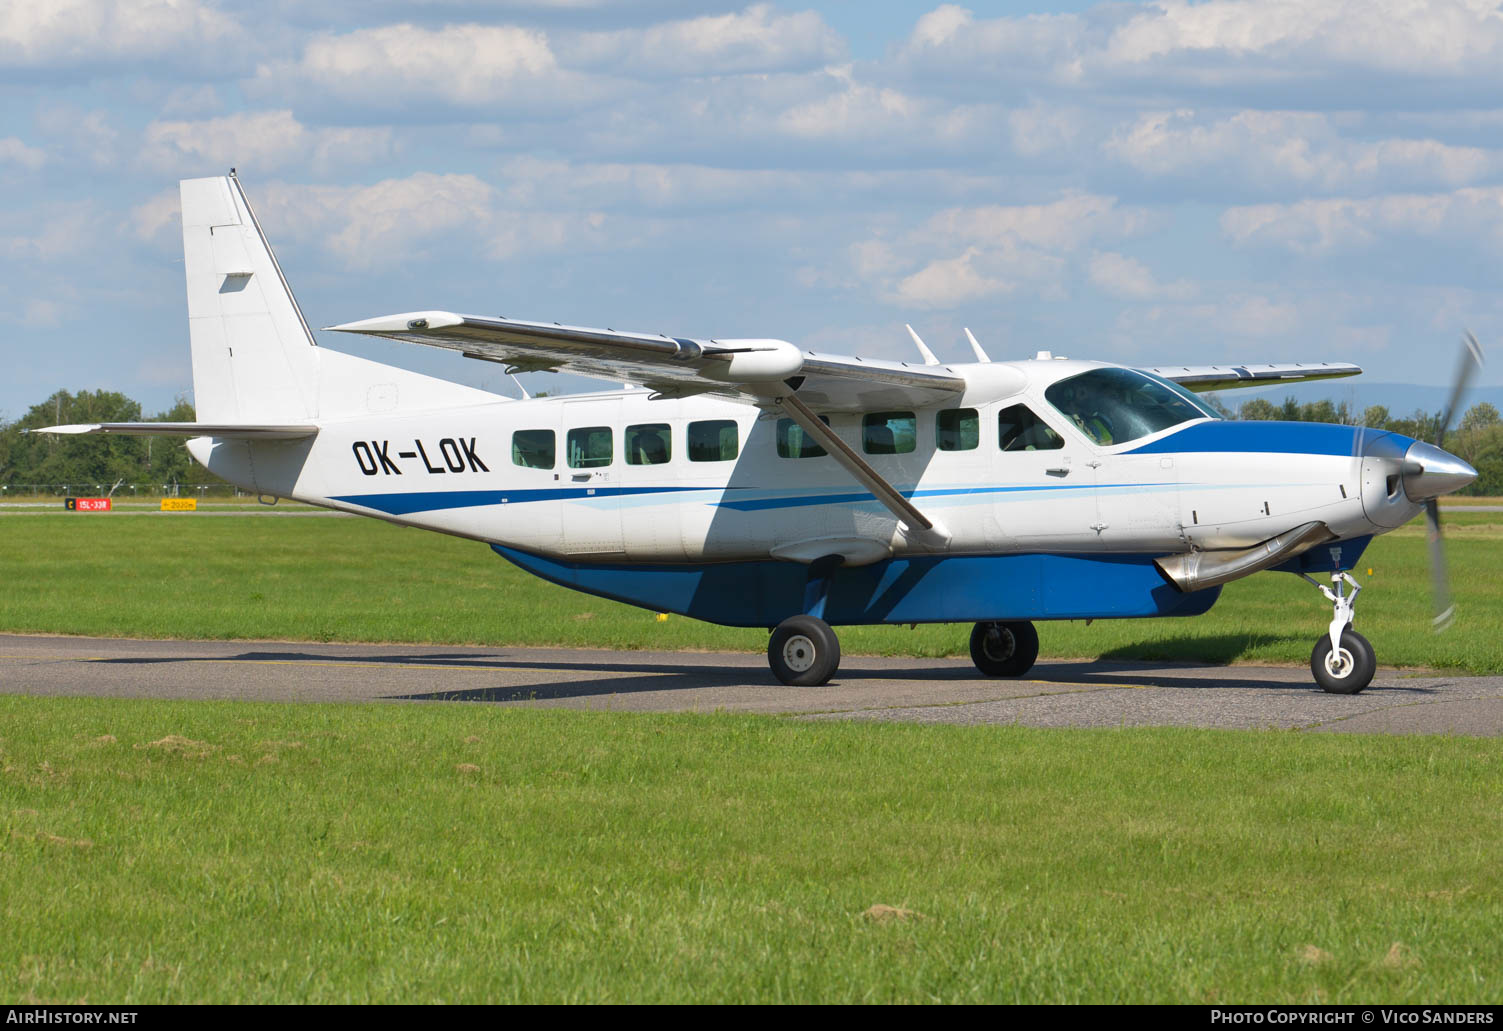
(929,358)
(980,354)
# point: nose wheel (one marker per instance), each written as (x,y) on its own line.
(1346,669)
(1343,661)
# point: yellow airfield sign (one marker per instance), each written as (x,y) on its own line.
(179,504)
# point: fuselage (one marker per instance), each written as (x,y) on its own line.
(622,476)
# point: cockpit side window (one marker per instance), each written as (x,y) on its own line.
(1114,406)
(1018,429)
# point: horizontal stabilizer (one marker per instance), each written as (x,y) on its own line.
(187,429)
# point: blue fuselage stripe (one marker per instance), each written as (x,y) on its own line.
(437,500)
(1252,437)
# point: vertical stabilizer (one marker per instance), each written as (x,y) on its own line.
(253,357)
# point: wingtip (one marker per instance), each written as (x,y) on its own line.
(405,322)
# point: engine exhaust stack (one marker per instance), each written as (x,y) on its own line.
(1197,570)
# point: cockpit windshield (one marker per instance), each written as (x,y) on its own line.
(1114,406)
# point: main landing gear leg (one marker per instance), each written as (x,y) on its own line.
(1343,661)
(803,650)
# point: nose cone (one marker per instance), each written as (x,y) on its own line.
(1429,472)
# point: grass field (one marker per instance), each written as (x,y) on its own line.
(177,852)
(332,579)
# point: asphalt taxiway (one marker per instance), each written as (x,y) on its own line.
(1054,694)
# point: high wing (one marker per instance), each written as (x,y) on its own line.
(1200,378)
(674,366)
(765,372)
(187,429)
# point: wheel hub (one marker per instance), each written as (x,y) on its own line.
(798,653)
(1339,663)
(999,645)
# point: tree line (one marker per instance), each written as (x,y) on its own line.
(28,459)
(80,462)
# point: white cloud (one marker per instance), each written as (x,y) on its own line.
(1269,149)
(1060,225)
(1238,314)
(846,108)
(559,184)
(405,66)
(397,220)
(947,282)
(951,37)
(15,152)
(758,39)
(1129,279)
(1437,36)
(192,100)
(72,33)
(150,220)
(1323,226)
(965,254)
(260,139)
(87,135)
(1218,43)
(65,230)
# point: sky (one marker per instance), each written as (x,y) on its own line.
(1146,183)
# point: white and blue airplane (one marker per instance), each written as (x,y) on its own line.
(752,483)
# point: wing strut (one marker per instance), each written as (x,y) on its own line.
(914,523)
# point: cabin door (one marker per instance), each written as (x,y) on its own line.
(590,434)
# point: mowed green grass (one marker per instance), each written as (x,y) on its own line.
(220,851)
(193,576)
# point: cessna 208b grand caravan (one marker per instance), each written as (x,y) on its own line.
(751,483)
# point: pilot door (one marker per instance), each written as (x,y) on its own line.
(1042,489)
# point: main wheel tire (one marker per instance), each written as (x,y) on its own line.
(1347,671)
(803,651)
(1004,649)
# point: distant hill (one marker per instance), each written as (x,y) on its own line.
(1401,399)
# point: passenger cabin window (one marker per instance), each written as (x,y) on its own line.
(590,447)
(957,429)
(532,449)
(1018,429)
(888,433)
(648,444)
(1114,406)
(793,442)
(714,440)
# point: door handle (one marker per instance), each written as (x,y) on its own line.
(1059,470)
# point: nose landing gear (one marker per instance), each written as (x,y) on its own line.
(1343,661)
